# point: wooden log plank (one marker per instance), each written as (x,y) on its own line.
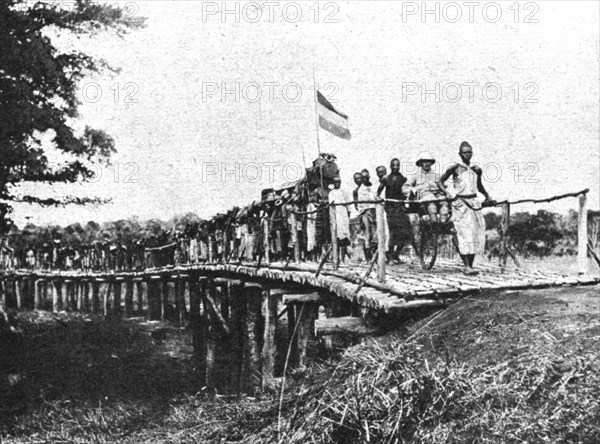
(299,298)
(344,325)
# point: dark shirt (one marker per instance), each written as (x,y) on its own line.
(393,186)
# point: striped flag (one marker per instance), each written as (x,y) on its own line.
(332,120)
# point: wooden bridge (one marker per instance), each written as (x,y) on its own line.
(264,313)
(268,316)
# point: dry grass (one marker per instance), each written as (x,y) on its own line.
(506,367)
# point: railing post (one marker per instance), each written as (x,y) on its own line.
(503,239)
(381,253)
(334,241)
(266,241)
(582,236)
(295,241)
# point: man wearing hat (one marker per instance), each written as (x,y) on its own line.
(425,185)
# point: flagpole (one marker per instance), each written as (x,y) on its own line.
(316,110)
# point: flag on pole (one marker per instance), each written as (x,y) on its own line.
(332,120)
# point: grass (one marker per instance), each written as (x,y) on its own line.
(497,367)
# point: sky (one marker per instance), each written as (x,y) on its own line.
(214,101)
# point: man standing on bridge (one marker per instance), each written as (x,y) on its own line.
(397,219)
(466,209)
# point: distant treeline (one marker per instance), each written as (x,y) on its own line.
(124,232)
(541,234)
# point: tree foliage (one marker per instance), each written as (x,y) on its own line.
(38,85)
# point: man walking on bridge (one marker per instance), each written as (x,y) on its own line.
(397,219)
(466,209)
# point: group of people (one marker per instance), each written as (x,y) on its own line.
(296,220)
(426,189)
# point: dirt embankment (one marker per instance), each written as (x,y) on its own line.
(497,367)
(519,366)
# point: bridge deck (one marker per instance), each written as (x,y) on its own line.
(406,286)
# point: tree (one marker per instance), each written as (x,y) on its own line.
(38,84)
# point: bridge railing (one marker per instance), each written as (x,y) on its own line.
(280,233)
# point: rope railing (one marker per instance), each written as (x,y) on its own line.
(228,247)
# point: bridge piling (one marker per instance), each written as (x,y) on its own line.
(154,297)
(236,317)
(128,298)
(139,290)
(211,334)
(180,289)
(269,309)
(56,290)
(37,294)
(95,296)
(164,298)
(18,293)
(117,287)
(251,379)
(3,290)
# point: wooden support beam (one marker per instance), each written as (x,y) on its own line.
(79,295)
(19,293)
(141,291)
(381,235)
(334,240)
(164,298)
(215,308)
(295,240)
(582,235)
(251,367)
(345,325)
(95,296)
(266,241)
(208,291)
(37,294)
(236,319)
(86,295)
(504,234)
(117,287)
(292,351)
(269,310)
(129,298)
(106,297)
(178,289)
(306,314)
(65,294)
(154,292)
(299,298)
(3,290)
